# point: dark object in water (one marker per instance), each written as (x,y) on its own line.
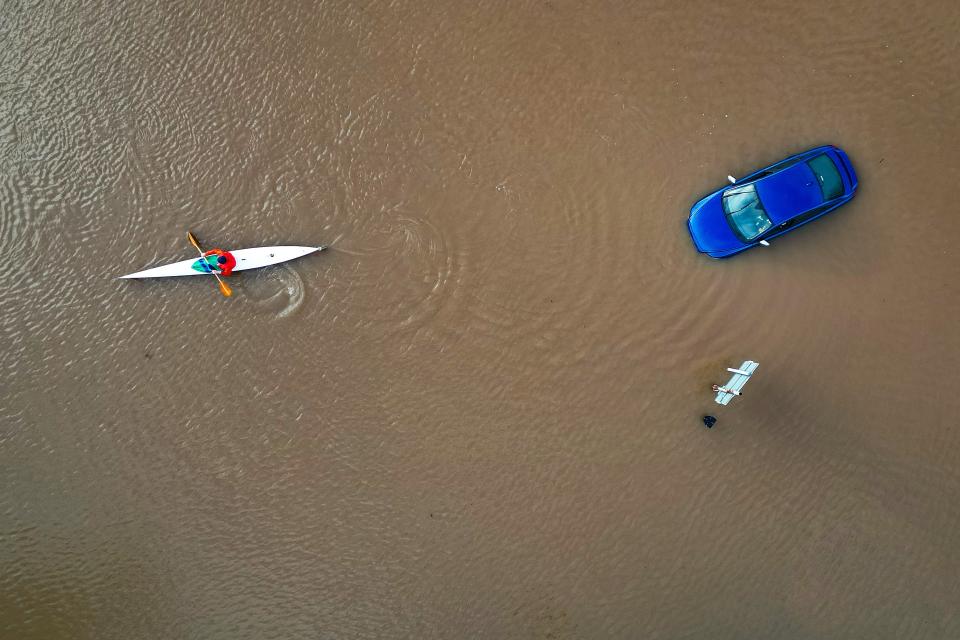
(709,421)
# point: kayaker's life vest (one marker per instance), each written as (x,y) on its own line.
(221,261)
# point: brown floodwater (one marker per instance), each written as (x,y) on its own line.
(479,414)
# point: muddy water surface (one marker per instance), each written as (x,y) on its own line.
(478,415)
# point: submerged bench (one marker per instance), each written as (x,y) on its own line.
(737,382)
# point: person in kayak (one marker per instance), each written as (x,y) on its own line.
(222,261)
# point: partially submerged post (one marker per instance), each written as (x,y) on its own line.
(736,383)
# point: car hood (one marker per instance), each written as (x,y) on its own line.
(789,192)
(709,226)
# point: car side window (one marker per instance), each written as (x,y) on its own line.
(793,222)
(813,213)
(771,170)
(755,176)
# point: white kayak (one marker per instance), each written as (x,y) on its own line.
(246,259)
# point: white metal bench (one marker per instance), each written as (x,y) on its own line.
(737,382)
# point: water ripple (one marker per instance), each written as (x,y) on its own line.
(278,290)
(424,266)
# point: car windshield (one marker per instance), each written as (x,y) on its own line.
(745,212)
(831,184)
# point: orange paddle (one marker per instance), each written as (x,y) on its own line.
(227,291)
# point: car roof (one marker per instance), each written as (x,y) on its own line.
(789,192)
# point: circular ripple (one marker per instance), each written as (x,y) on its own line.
(548,260)
(277,290)
(404,277)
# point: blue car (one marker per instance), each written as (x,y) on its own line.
(772,201)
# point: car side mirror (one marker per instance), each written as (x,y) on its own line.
(765,243)
(732,179)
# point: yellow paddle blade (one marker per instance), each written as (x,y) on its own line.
(227,291)
(193,240)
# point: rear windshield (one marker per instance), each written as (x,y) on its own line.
(831,184)
(745,212)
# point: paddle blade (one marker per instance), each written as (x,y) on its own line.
(193,240)
(225,289)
